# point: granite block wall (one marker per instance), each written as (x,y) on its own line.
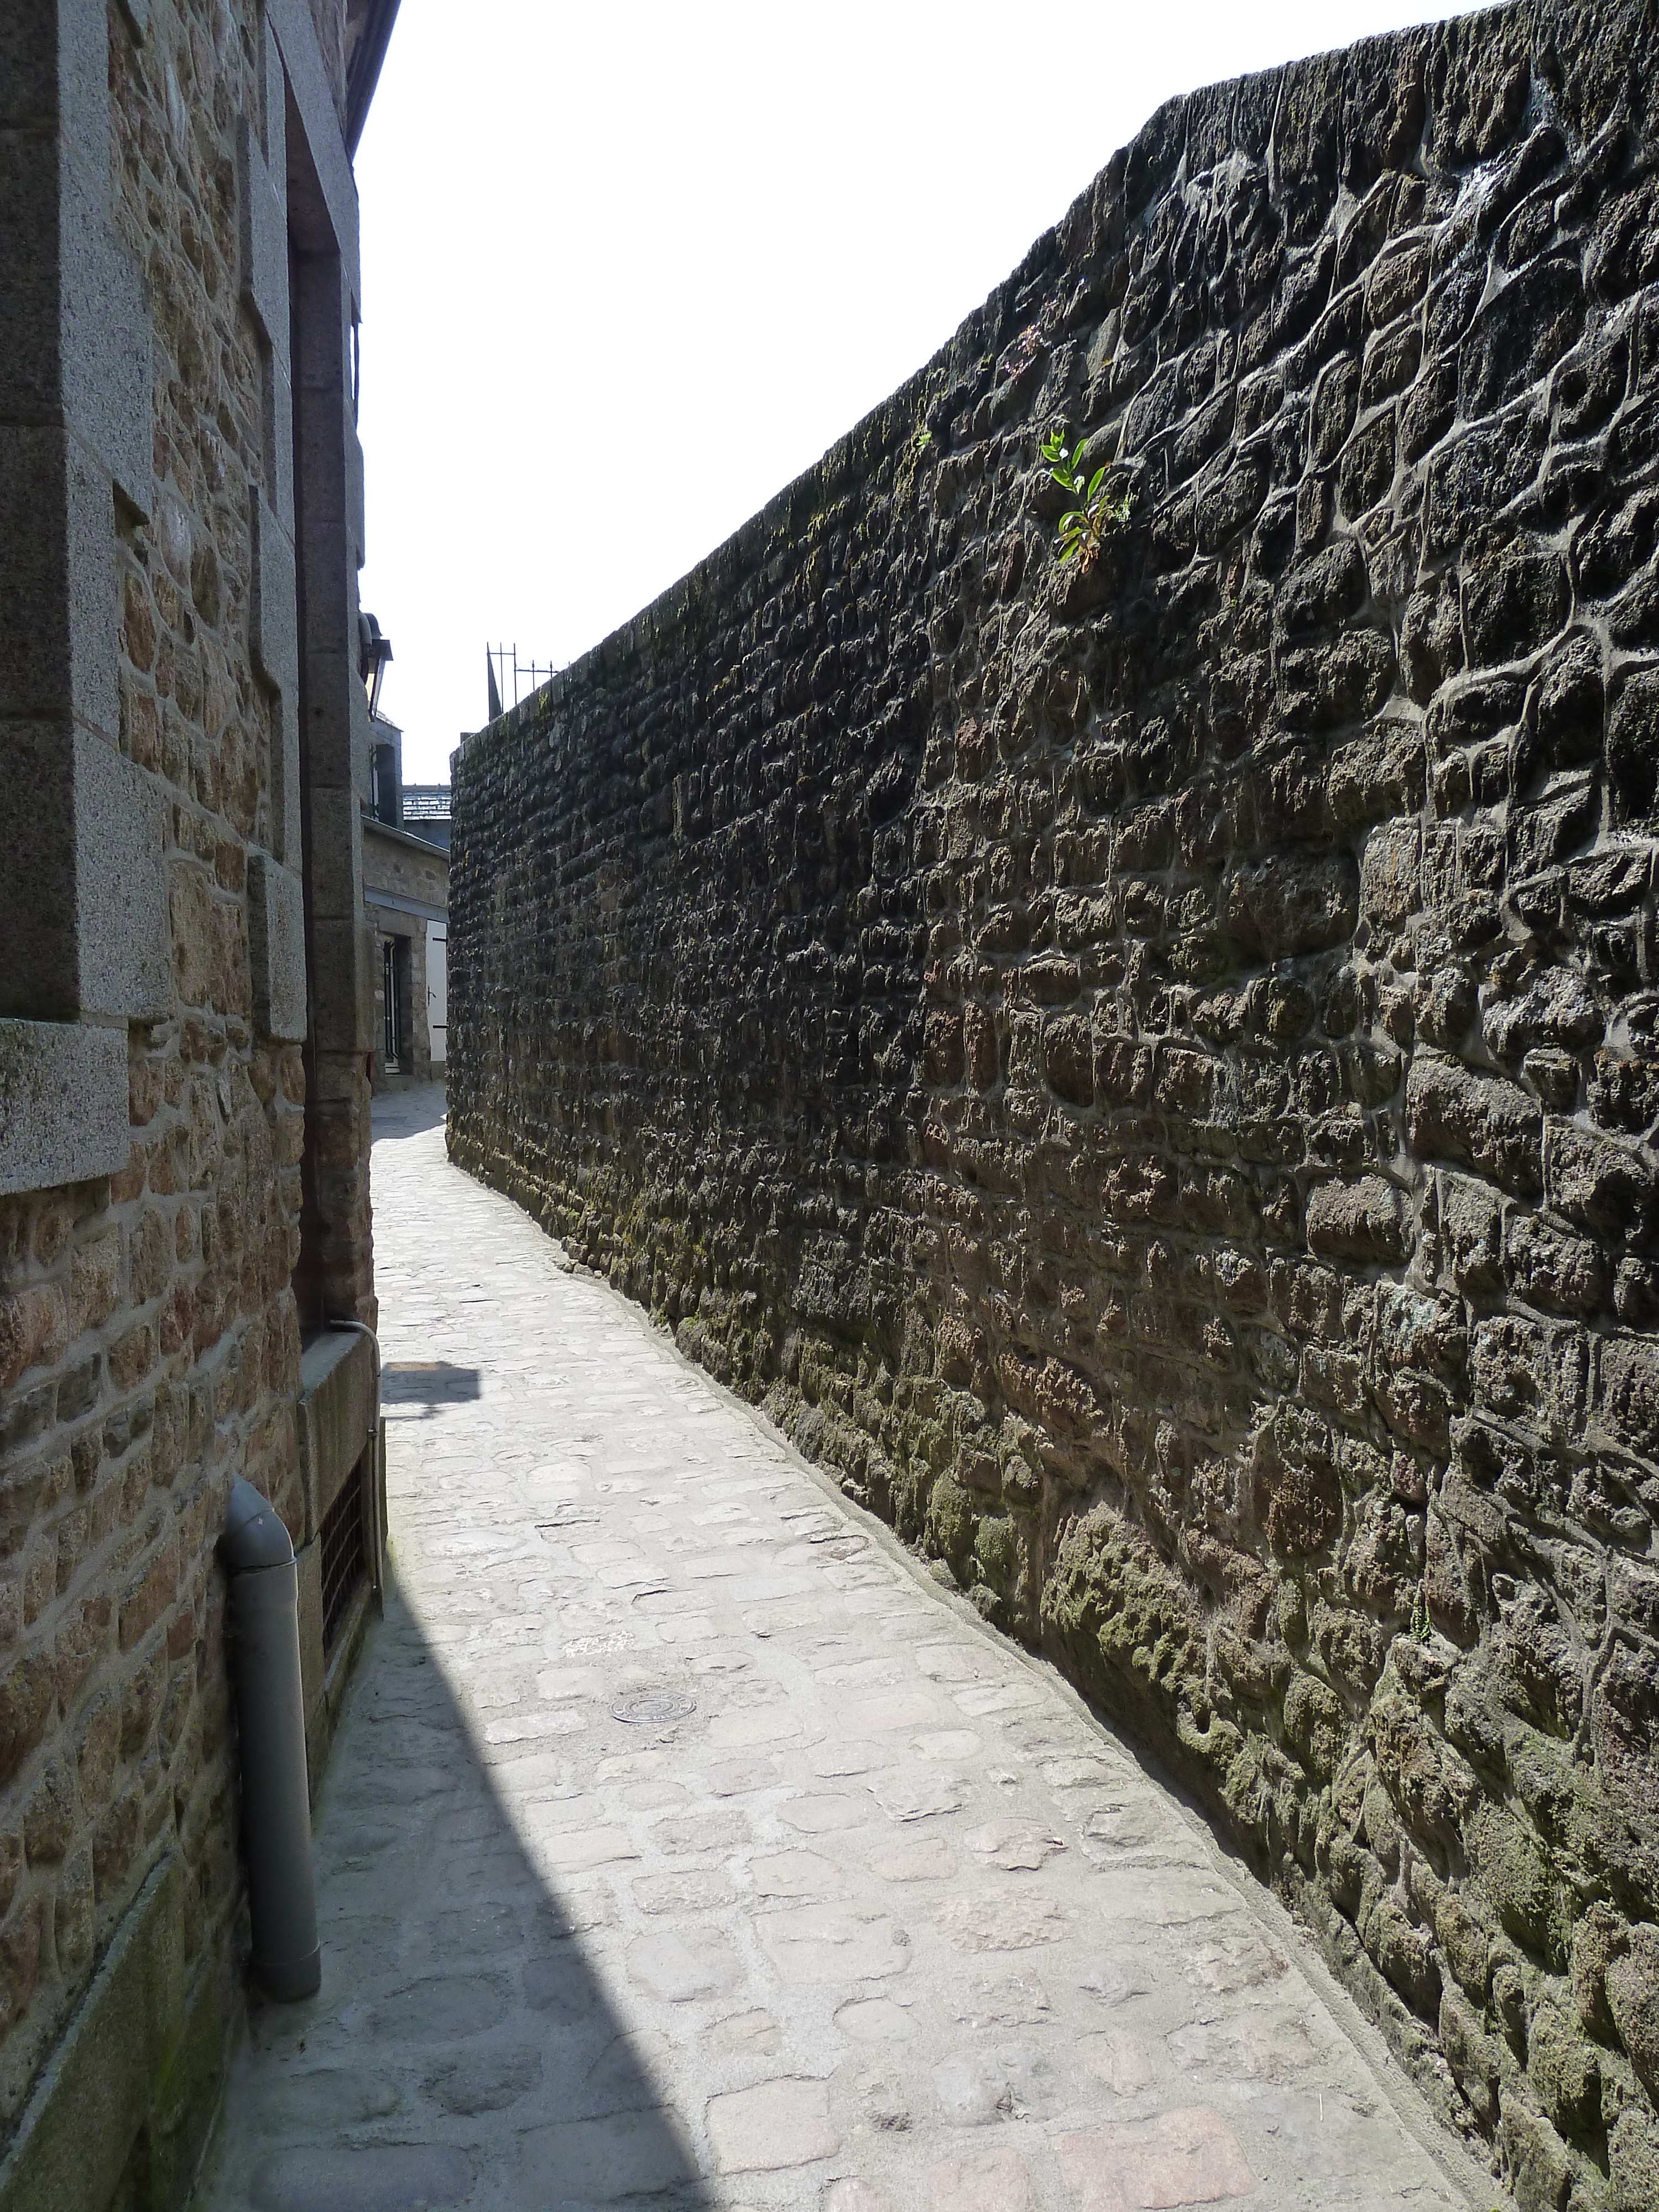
(149,1342)
(1149,1071)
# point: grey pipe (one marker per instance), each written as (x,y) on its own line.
(265,1614)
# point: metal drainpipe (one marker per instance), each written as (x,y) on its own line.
(264,1612)
(377,1565)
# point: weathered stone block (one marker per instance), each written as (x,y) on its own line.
(277,947)
(83,895)
(27,1696)
(108,368)
(58,651)
(1632,1997)
(62,1104)
(1453,1111)
(1390,874)
(1633,747)
(262,238)
(274,622)
(1606,1187)
(121,830)
(1633,2160)
(1355,1221)
(1293,905)
(137,2022)
(357,530)
(1629,1398)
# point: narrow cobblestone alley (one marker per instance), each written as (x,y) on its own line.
(684,1842)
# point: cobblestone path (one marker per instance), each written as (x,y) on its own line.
(685,1844)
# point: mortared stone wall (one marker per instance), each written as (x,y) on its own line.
(1148,1072)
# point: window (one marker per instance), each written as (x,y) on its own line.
(383,773)
(394,1027)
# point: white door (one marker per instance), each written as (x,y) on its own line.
(437,986)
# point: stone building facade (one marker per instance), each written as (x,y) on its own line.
(184,996)
(406,886)
(406,890)
(1149,1071)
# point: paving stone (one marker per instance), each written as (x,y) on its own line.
(737,1777)
(794,1873)
(878,2099)
(324,2093)
(827,1943)
(992,2181)
(818,1816)
(605,2161)
(1001,2001)
(856,2194)
(914,1858)
(696,1963)
(386,2178)
(777,2123)
(756,2030)
(487,2081)
(1000,1921)
(875,2019)
(903,1709)
(626,2076)
(698,1891)
(1014,1844)
(1265,2048)
(1187,2155)
(767,1724)
(557,1986)
(569,1851)
(484,1929)
(826,1939)
(440,2008)
(1117,2059)
(976,2086)
(702,1832)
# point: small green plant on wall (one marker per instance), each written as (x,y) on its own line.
(910,460)
(1082,529)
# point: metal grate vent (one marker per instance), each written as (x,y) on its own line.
(343,1555)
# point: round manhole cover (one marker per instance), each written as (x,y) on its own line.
(653,1708)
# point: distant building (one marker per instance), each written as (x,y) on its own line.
(406,894)
(426,812)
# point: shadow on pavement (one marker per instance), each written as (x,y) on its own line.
(463,2048)
(407,1112)
(428,1382)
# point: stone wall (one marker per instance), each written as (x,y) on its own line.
(1148,1072)
(149,1343)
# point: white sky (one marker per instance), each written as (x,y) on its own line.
(630,267)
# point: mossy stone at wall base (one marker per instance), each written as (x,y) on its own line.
(123,2111)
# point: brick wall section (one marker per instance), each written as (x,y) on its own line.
(148,1344)
(1148,1072)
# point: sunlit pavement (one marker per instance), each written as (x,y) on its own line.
(685,1844)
